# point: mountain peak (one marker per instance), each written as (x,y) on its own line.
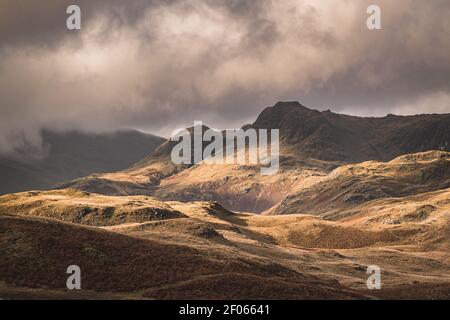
(274,116)
(329,136)
(284,104)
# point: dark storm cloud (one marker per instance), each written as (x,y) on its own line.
(31,22)
(28,22)
(157,65)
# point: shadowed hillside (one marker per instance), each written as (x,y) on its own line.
(338,137)
(72,155)
(140,266)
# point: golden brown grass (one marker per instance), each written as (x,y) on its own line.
(85,208)
(140,247)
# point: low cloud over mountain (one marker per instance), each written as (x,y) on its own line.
(143,64)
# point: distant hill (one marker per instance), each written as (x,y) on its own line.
(72,155)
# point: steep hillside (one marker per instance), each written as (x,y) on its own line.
(242,188)
(313,143)
(339,137)
(351,185)
(142,178)
(422,219)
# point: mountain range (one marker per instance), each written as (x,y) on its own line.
(351,192)
(312,144)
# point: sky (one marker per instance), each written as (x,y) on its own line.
(160,65)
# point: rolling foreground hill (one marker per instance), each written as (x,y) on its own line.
(174,257)
(72,155)
(199,250)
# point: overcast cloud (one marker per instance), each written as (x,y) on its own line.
(159,65)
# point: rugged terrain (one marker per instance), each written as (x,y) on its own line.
(175,256)
(338,137)
(312,144)
(351,185)
(143,248)
(348,195)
